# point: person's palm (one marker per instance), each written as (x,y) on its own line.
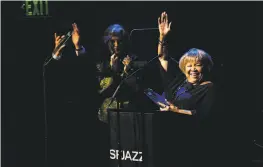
(75,34)
(114,62)
(164,27)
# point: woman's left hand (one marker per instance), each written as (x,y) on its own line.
(166,108)
(169,107)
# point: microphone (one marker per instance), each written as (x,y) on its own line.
(63,41)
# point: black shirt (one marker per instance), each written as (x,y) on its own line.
(193,134)
(198,98)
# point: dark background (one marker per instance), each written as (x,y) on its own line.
(226,30)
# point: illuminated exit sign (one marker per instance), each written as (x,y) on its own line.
(36,8)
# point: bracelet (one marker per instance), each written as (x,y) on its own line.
(163,43)
(79,49)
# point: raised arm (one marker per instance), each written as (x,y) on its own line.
(164,29)
(79,49)
(76,40)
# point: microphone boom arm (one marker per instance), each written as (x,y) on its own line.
(63,42)
(142,29)
(122,81)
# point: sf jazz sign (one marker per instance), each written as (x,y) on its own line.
(126,155)
(36,7)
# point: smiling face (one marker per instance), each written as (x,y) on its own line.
(195,64)
(193,71)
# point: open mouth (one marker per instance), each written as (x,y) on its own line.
(194,74)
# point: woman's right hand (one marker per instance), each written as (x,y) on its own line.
(114,62)
(170,107)
(57,41)
(164,27)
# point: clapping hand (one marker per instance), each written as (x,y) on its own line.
(126,62)
(76,36)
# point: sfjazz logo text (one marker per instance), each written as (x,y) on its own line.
(126,155)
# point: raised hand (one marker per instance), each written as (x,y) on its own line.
(57,41)
(163,25)
(76,36)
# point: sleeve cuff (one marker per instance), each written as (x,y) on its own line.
(56,57)
(80,51)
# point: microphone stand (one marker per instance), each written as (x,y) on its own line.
(118,87)
(46,62)
(45,109)
(118,107)
(130,75)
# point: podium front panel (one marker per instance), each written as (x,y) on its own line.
(135,138)
(151,139)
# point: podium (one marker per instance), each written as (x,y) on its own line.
(149,138)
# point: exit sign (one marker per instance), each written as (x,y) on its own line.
(36,8)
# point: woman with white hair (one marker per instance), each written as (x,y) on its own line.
(190,98)
(192,95)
